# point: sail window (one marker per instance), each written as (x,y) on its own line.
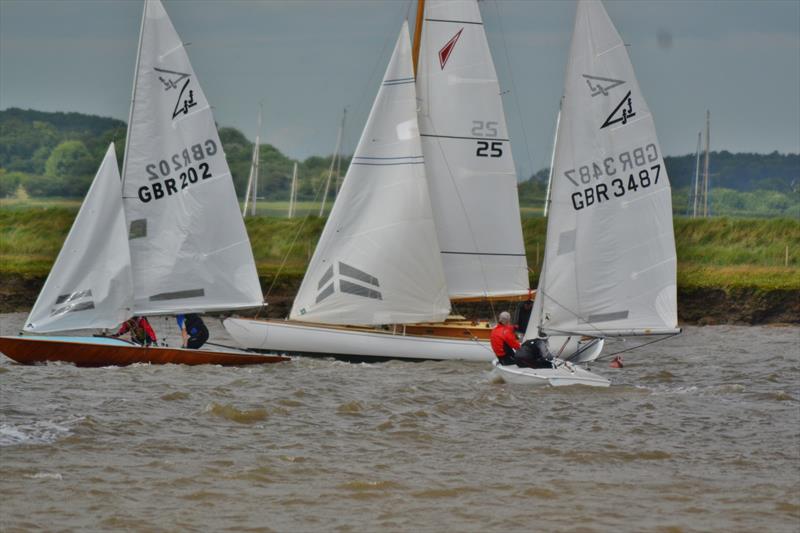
(357,290)
(327,276)
(566,242)
(178,295)
(138,229)
(82,306)
(73,296)
(324,294)
(351,272)
(608,317)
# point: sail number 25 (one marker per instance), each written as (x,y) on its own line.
(489,147)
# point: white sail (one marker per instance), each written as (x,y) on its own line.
(467,152)
(377,261)
(610,264)
(189,248)
(90,284)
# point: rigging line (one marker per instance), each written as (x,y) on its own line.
(568,310)
(513,85)
(291,247)
(378,62)
(638,346)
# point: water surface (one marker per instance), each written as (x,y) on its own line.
(701,432)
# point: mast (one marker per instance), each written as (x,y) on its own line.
(293,192)
(705,171)
(417,34)
(333,162)
(133,96)
(697,172)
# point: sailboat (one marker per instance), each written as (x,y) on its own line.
(610,264)
(167,238)
(469,248)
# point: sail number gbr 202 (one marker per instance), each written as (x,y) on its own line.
(178,172)
(620,175)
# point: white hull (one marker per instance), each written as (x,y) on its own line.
(293,337)
(564,375)
(282,336)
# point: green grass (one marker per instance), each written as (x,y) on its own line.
(718,252)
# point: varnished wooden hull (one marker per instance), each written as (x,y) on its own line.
(29,351)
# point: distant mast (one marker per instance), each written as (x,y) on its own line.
(333,162)
(705,171)
(696,183)
(252,180)
(293,192)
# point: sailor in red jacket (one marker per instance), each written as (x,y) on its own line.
(140,329)
(503,340)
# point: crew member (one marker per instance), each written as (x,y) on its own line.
(503,340)
(193,331)
(140,329)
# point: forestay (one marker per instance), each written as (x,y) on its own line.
(90,284)
(377,261)
(188,243)
(610,261)
(468,158)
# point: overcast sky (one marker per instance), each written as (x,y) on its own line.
(308,59)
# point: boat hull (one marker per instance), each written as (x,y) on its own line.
(565,374)
(99,351)
(350,343)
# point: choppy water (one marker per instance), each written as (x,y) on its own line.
(701,432)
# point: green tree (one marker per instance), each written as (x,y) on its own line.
(69,159)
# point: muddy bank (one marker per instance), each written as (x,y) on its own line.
(701,306)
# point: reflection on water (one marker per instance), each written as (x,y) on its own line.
(697,433)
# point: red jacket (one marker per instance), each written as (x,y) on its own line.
(503,335)
(145,330)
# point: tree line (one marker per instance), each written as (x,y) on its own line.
(57,154)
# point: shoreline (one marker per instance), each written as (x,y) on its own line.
(700,306)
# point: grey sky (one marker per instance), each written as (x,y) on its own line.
(308,59)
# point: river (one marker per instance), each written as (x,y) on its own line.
(700,432)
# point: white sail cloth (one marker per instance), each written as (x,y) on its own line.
(90,284)
(377,261)
(467,152)
(610,263)
(189,247)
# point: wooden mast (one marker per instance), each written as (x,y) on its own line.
(417,34)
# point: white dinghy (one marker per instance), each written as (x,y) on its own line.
(562,374)
(610,266)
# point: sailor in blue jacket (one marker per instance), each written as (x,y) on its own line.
(193,331)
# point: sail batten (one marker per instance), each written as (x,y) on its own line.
(610,265)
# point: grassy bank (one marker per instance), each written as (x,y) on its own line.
(723,253)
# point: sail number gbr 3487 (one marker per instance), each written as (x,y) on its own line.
(619,176)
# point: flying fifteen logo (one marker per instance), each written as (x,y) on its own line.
(447,49)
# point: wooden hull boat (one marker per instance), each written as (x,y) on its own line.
(102,351)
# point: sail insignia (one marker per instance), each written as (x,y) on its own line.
(447,49)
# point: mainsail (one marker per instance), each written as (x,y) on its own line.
(468,158)
(610,263)
(189,248)
(377,261)
(90,284)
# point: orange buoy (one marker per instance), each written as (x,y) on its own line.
(616,362)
